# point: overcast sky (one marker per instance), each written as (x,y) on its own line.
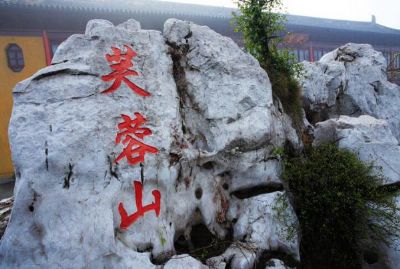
(387,12)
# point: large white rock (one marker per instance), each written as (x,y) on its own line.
(215,68)
(62,135)
(252,216)
(238,255)
(256,213)
(240,127)
(371,139)
(351,80)
(213,121)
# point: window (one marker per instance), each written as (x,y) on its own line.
(15,57)
(303,55)
(318,53)
(386,54)
(397,60)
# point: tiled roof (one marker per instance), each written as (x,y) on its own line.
(143,6)
(171,9)
(341,24)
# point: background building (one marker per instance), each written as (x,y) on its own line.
(31,30)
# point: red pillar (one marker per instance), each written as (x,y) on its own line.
(47,49)
(311,54)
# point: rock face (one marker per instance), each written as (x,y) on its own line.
(352,81)
(276,264)
(184,262)
(371,139)
(253,215)
(209,184)
(215,126)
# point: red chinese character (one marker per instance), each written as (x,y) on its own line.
(121,71)
(134,150)
(126,220)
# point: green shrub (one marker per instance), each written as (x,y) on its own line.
(287,89)
(341,207)
(263,30)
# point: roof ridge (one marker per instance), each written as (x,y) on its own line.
(321,18)
(111,9)
(176,9)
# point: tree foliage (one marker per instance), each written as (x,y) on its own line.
(263,31)
(341,206)
(260,26)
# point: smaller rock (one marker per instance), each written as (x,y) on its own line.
(268,210)
(184,262)
(370,138)
(176,31)
(351,80)
(239,255)
(95,26)
(276,264)
(321,86)
(130,25)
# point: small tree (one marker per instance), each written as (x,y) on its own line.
(260,26)
(263,31)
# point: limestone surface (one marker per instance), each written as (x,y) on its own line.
(213,122)
(371,139)
(276,264)
(352,81)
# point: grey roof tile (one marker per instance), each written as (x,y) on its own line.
(171,8)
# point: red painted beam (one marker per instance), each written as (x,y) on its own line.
(47,49)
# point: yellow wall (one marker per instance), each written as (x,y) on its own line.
(34,57)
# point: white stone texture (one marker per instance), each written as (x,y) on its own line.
(215,68)
(213,121)
(253,215)
(239,255)
(257,213)
(184,262)
(351,80)
(276,264)
(62,137)
(371,139)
